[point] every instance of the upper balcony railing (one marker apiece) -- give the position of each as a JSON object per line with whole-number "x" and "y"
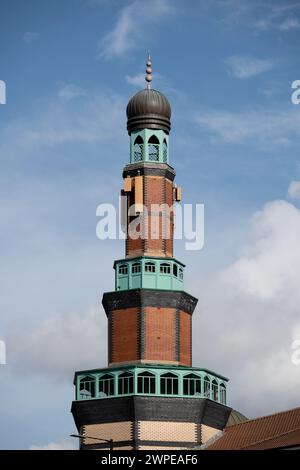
{"x": 149, "y": 273}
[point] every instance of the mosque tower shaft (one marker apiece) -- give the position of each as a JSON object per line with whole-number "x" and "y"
{"x": 149, "y": 396}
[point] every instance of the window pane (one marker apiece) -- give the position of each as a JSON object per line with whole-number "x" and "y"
{"x": 165, "y": 268}
{"x": 138, "y": 152}
{"x": 87, "y": 387}
{"x": 150, "y": 268}
{"x": 123, "y": 269}
{"x": 136, "y": 268}
{"x": 153, "y": 152}
{"x": 165, "y": 152}
{"x": 169, "y": 385}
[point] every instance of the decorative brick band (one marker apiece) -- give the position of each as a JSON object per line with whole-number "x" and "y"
{"x": 148, "y": 298}
{"x": 149, "y": 169}
{"x": 136, "y": 408}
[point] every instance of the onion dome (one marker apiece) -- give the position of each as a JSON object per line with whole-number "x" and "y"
{"x": 148, "y": 108}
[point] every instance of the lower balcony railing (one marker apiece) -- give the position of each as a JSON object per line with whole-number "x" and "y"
{"x": 151, "y": 381}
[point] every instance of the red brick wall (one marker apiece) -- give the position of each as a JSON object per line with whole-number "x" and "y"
{"x": 185, "y": 339}
{"x": 160, "y": 334}
{"x": 157, "y": 336}
{"x": 170, "y": 201}
{"x": 157, "y": 190}
{"x": 124, "y": 335}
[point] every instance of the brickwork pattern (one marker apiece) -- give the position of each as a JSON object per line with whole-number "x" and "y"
{"x": 185, "y": 356}
{"x": 160, "y": 334}
{"x": 156, "y": 190}
{"x": 120, "y": 431}
{"x": 163, "y": 431}
{"x": 125, "y": 335}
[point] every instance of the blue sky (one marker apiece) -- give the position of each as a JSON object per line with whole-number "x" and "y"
{"x": 70, "y": 68}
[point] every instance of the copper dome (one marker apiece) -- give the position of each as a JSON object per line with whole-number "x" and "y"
{"x": 148, "y": 109}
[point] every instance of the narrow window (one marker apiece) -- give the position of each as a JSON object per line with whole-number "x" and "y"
{"x": 125, "y": 383}
{"x": 123, "y": 269}
{"x": 149, "y": 267}
{"x": 165, "y": 151}
{"x": 215, "y": 394}
{"x": 169, "y": 384}
{"x": 181, "y": 274}
{"x": 206, "y": 387}
{"x": 138, "y": 149}
{"x": 153, "y": 149}
{"x": 223, "y": 394}
{"x": 136, "y": 268}
{"x": 191, "y": 384}
{"x": 87, "y": 387}
{"x": 106, "y": 385}
{"x": 165, "y": 268}
{"x": 146, "y": 383}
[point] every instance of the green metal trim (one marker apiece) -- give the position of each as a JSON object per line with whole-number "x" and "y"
{"x": 158, "y": 258}
{"x": 146, "y": 366}
{"x": 158, "y": 372}
{"x": 145, "y": 134}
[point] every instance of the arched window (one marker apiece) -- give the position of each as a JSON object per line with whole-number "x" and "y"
{"x": 123, "y": 269}
{"x": 165, "y": 268}
{"x": 223, "y": 394}
{"x": 87, "y": 387}
{"x": 136, "y": 268}
{"x": 149, "y": 267}
{"x": 181, "y": 274}
{"x": 153, "y": 149}
{"x": 125, "y": 383}
{"x": 215, "y": 392}
{"x": 106, "y": 385}
{"x": 169, "y": 384}
{"x": 175, "y": 270}
{"x": 138, "y": 149}
{"x": 191, "y": 384}
{"x": 206, "y": 387}
{"x": 146, "y": 382}
{"x": 165, "y": 151}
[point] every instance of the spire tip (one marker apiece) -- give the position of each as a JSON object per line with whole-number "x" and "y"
{"x": 148, "y": 76}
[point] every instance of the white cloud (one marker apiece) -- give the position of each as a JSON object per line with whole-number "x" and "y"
{"x": 260, "y": 16}
{"x": 133, "y": 25}
{"x": 269, "y": 265}
{"x": 246, "y": 67}
{"x": 289, "y": 24}
{"x": 30, "y": 36}
{"x": 250, "y": 315}
{"x": 70, "y": 91}
{"x": 263, "y": 128}
{"x": 294, "y": 189}
{"x": 136, "y": 80}
{"x": 61, "y": 344}
{"x": 58, "y": 121}
{"x": 63, "y": 444}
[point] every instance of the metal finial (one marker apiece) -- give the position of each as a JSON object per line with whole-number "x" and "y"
{"x": 148, "y": 76}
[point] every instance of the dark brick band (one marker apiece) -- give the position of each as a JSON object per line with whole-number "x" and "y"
{"x": 136, "y": 408}
{"x": 149, "y": 169}
{"x": 149, "y": 298}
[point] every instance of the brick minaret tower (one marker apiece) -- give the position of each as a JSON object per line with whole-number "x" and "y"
{"x": 149, "y": 396}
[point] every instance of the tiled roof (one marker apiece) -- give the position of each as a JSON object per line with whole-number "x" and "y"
{"x": 268, "y": 432}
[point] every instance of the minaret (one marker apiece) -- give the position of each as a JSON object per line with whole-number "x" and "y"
{"x": 149, "y": 396}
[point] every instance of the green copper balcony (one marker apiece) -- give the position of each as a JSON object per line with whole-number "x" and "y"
{"x": 163, "y": 381}
{"x": 149, "y": 273}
